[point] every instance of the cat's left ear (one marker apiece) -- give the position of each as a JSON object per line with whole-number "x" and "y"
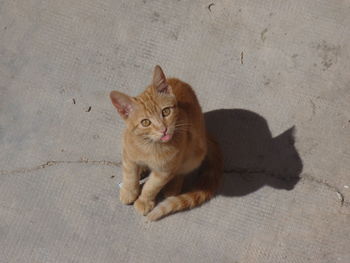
{"x": 159, "y": 81}
{"x": 123, "y": 103}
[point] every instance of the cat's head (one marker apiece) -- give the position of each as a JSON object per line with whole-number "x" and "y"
{"x": 153, "y": 114}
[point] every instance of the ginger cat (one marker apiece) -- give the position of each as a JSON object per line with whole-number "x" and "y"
{"x": 165, "y": 133}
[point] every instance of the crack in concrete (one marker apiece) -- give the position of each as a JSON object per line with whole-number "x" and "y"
{"x": 242, "y": 171}
{"x": 238, "y": 170}
{"x": 304, "y": 177}
{"x": 52, "y": 163}
{"x": 335, "y": 189}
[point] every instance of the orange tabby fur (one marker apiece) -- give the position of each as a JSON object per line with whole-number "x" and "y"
{"x": 170, "y": 146}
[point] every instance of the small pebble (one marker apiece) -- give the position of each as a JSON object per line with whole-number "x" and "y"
{"x": 346, "y": 186}
{"x": 339, "y": 196}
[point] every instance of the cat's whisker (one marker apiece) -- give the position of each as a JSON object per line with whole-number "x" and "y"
{"x": 180, "y": 131}
{"x": 182, "y": 124}
{"x": 182, "y": 127}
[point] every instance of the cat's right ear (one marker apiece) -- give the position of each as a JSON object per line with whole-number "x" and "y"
{"x": 159, "y": 81}
{"x": 123, "y": 103}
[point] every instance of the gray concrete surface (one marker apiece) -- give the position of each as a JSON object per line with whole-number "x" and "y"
{"x": 59, "y": 161}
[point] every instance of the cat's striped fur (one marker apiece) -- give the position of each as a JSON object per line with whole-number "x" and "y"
{"x": 165, "y": 132}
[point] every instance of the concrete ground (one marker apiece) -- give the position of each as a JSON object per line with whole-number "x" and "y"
{"x": 259, "y": 68}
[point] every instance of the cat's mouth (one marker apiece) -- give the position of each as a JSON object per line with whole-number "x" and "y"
{"x": 166, "y": 137}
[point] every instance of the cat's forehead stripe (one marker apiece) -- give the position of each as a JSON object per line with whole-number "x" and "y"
{"x": 148, "y": 102}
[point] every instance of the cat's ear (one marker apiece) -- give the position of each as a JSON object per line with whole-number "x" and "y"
{"x": 159, "y": 81}
{"x": 123, "y": 103}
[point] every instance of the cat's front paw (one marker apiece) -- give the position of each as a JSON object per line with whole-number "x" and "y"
{"x": 144, "y": 206}
{"x": 127, "y": 197}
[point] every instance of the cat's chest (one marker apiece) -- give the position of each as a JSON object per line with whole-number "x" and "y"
{"x": 160, "y": 159}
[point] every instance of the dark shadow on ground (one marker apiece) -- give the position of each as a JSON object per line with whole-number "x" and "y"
{"x": 252, "y": 158}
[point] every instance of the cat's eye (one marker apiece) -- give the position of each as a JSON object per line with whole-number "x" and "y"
{"x": 166, "y": 112}
{"x": 146, "y": 123}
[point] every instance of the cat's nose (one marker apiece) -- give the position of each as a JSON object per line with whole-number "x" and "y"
{"x": 164, "y": 130}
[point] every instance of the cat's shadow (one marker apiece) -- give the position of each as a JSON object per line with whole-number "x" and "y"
{"x": 252, "y": 157}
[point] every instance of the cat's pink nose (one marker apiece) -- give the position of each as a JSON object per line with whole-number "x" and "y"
{"x": 164, "y": 130}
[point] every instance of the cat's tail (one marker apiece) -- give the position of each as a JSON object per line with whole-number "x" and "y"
{"x": 204, "y": 190}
